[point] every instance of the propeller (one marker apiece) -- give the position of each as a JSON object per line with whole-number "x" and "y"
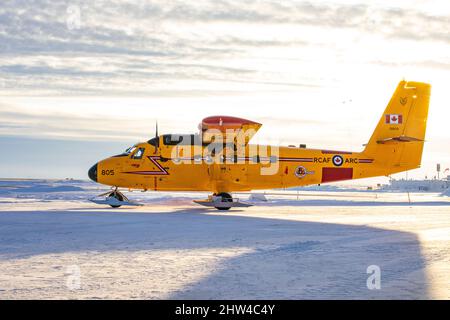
{"x": 156, "y": 136}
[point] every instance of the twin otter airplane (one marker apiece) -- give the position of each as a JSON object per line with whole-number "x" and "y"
{"x": 219, "y": 159}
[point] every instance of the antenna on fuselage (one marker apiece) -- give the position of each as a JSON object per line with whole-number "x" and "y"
{"x": 156, "y": 129}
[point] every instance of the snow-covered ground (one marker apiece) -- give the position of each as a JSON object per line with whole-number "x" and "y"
{"x": 55, "y": 244}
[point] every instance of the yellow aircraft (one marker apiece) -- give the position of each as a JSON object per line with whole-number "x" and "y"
{"x": 219, "y": 159}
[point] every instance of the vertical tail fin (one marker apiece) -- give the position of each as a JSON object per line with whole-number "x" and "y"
{"x": 397, "y": 142}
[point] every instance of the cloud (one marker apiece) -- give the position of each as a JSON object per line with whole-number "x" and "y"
{"x": 105, "y": 70}
{"x": 196, "y": 48}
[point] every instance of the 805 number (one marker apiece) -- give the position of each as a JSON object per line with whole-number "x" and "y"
{"x": 107, "y": 172}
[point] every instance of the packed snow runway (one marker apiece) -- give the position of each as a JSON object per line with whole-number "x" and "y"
{"x": 54, "y": 244}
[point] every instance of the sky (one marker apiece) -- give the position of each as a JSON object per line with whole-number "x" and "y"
{"x": 83, "y": 80}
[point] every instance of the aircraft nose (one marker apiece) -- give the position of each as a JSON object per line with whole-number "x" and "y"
{"x": 92, "y": 173}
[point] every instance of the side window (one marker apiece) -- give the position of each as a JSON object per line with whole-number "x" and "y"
{"x": 138, "y": 154}
{"x": 180, "y": 139}
{"x": 172, "y": 139}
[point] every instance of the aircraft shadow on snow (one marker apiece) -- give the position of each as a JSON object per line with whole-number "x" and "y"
{"x": 287, "y": 260}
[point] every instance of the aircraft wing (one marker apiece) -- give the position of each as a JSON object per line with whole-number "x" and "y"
{"x": 231, "y": 128}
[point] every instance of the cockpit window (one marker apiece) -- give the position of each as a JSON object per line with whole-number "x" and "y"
{"x": 138, "y": 154}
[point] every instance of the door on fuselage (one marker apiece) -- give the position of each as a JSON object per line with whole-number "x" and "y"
{"x": 226, "y": 169}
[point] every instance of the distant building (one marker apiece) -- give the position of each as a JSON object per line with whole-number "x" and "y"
{"x": 426, "y": 185}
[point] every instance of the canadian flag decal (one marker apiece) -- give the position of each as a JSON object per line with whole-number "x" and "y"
{"x": 394, "y": 119}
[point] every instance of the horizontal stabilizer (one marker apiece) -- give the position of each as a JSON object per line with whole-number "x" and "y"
{"x": 398, "y": 139}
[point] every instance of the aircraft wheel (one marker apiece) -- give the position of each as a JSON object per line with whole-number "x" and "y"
{"x": 226, "y": 197}
{"x": 117, "y": 196}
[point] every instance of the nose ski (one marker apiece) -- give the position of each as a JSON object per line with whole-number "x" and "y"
{"x": 115, "y": 199}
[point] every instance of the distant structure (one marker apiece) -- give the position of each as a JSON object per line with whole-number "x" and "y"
{"x": 425, "y": 185}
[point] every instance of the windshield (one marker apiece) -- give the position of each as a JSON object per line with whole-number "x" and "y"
{"x": 126, "y": 152}
{"x": 129, "y": 150}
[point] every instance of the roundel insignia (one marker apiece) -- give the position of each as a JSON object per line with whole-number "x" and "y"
{"x": 300, "y": 172}
{"x": 338, "y": 161}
